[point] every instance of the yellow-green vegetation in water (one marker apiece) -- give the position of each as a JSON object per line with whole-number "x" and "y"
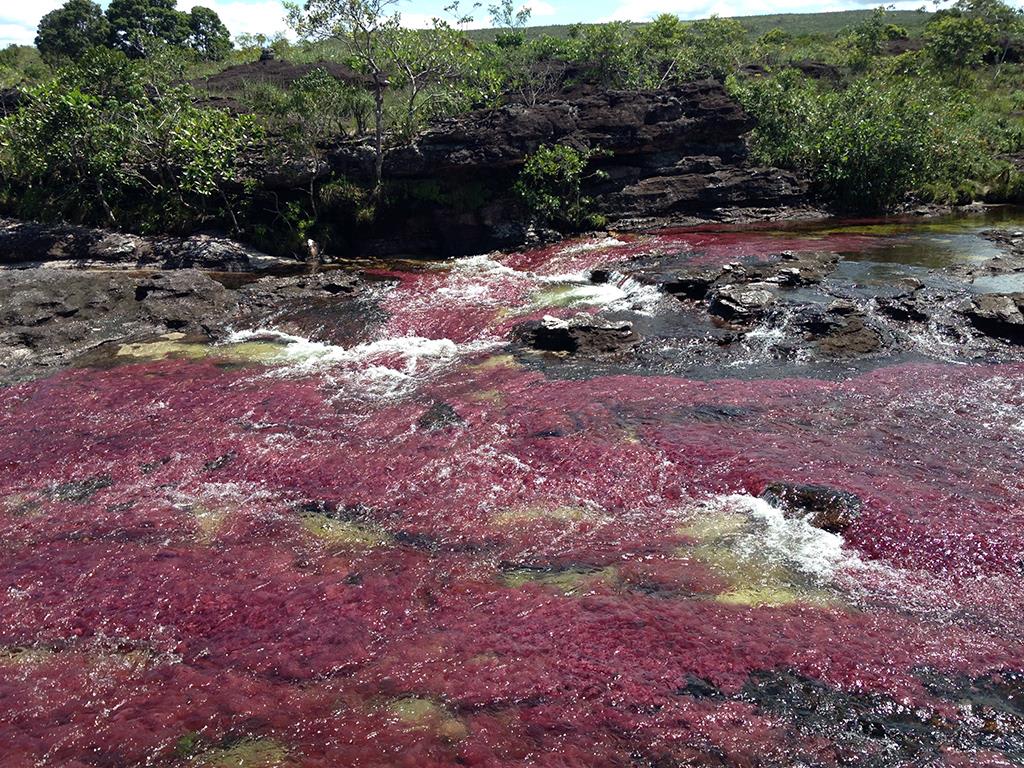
{"x": 176, "y": 345}
{"x": 258, "y": 753}
{"x": 208, "y": 522}
{"x": 726, "y": 541}
{"x": 24, "y": 657}
{"x": 345, "y": 533}
{"x": 428, "y": 715}
{"x": 496, "y": 361}
{"x": 569, "y": 581}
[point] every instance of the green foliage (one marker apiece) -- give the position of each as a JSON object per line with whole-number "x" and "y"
{"x": 960, "y": 42}
{"x": 21, "y": 65}
{"x": 867, "y": 39}
{"x": 868, "y": 145}
{"x": 96, "y": 145}
{"x": 208, "y": 36}
{"x": 65, "y": 34}
{"x": 550, "y": 185}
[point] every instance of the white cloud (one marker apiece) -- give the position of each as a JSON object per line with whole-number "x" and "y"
{"x": 18, "y": 20}
{"x": 245, "y": 16}
{"x": 540, "y": 8}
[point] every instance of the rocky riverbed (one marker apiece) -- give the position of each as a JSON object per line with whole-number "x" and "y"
{"x": 709, "y": 496}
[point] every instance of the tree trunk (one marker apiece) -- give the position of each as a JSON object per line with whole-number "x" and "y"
{"x": 378, "y": 139}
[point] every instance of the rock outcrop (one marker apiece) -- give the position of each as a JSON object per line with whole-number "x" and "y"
{"x": 24, "y": 244}
{"x": 583, "y": 334}
{"x": 672, "y": 155}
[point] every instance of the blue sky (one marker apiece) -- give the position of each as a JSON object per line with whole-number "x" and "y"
{"x": 18, "y": 18}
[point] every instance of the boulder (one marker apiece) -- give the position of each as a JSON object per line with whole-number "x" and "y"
{"x": 824, "y": 507}
{"x": 999, "y": 315}
{"x": 583, "y": 334}
{"x": 741, "y": 303}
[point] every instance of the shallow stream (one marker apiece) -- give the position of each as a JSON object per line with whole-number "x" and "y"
{"x": 413, "y": 543}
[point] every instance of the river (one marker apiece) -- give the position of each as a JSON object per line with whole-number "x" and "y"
{"x": 411, "y": 540}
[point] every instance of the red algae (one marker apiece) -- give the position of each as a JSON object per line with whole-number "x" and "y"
{"x": 202, "y": 561}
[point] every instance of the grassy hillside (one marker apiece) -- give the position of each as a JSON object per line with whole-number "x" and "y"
{"x": 796, "y": 24}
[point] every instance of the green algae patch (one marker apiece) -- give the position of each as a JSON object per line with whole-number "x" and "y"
{"x": 176, "y": 346}
{"x": 24, "y": 657}
{"x": 258, "y": 753}
{"x": 208, "y": 523}
{"x": 569, "y": 581}
{"x": 425, "y": 714}
{"x": 735, "y": 547}
{"x": 714, "y": 525}
{"x": 345, "y": 533}
{"x": 496, "y": 361}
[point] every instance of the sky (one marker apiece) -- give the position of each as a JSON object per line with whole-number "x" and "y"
{"x": 18, "y": 18}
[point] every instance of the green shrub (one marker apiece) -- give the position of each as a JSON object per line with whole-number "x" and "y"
{"x": 866, "y": 146}
{"x": 550, "y": 185}
{"x": 99, "y": 144}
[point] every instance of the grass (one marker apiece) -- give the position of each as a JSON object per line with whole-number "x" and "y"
{"x": 826, "y": 24}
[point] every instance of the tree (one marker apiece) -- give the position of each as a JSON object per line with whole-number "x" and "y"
{"x": 369, "y": 28}
{"x": 959, "y": 42}
{"x": 660, "y": 48}
{"x": 511, "y": 23}
{"x": 67, "y": 33}
{"x": 135, "y": 25}
{"x": 868, "y": 38}
{"x": 718, "y": 46}
{"x": 100, "y": 144}
{"x": 207, "y": 34}
{"x": 551, "y": 186}
{"x": 429, "y": 65}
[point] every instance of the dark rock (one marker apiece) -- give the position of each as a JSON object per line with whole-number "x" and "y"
{"x": 220, "y": 462}
{"x": 902, "y": 308}
{"x": 25, "y": 244}
{"x": 874, "y": 727}
{"x": 839, "y": 330}
{"x": 712, "y": 413}
{"x": 670, "y": 154}
{"x": 79, "y": 491}
{"x": 818, "y": 70}
{"x": 584, "y": 334}
{"x": 827, "y": 508}
{"x": 692, "y": 282}
{"x": 999, "y": 315}
{"x": 699, "y": 688}
{"x": 440, "y": 415}
{"x": 741, "y": 303}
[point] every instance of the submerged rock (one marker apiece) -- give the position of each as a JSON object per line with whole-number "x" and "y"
{"x": 440, "y": 415}
{"x": 583, "y": 334}
{"x": 825, "y": 507}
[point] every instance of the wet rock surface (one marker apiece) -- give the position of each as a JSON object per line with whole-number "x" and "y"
{"x": 580, "y": 335}
{"x": 823, "y": 507}
{"x": 52, "y": 316}
{"x": 24, "y": 244}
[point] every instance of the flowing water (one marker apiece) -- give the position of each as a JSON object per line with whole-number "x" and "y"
{"x": 419, "y": 545}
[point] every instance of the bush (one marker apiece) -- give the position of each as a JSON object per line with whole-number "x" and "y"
{"x": 550, "y": 184}
{"x": 99, "y": 144}
{"x": 867, "y": 146}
